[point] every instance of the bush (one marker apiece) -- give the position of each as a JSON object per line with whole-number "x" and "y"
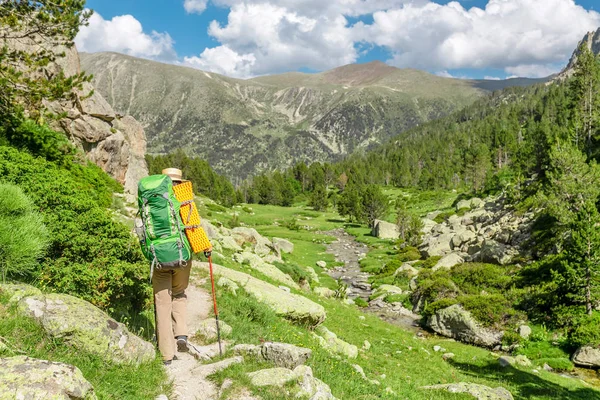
{"x": 361, "y": 302}
{"x": 390, "y": 267}
{"x": 472, "y": 278}
{"x": 443, "y": 216}
{"x": 429, "y": 263}
{"x": 408, "y": 253}
{"x": 585, "y": 331}
{"x": 23, "y": 235}
{"x": 292, "y": 224}
{"x": 491, "y": 310}
{"x": 234, "y": 222}
{"x": 90, "y": 255}
{"x": 539, "y": 350}
{"x": 215, "y": 207}
{"x": 298, "y": 274}
{"x": 247, "y": 209}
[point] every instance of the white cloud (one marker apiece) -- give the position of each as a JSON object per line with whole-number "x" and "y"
{"x": 444, "y": 74}
{"x": 223, "y": 60}
{"x": 195, "y": 6}
{"x": 534, "y": 70}
{"x": 507, "y": 34}
{"x": 491, "y": 78}
{"x": 124, "y": 34}
{"x": 264, "y": 38}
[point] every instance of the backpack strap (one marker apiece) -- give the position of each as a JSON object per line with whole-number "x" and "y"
{"x": 182, "y": 262}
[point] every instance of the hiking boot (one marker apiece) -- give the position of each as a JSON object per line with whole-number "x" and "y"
{"x": 182, "y": 344}
{"x": 166, "y": 363}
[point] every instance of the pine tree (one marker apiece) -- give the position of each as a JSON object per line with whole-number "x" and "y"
{"x": 375, "y": 204}
{"x": 318, "y": 198}
{"x": 349, "y": 204}
{"x": 45, "y": 25}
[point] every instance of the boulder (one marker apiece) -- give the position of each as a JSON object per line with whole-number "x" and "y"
{"x": 385, "y": 230}
{"x": 524, "y": 331}
{"x": 496, "y": 253}
{"x": 29, "y": 378}
{"x": 207, "y": 329}
{"x": 480, "y": 392}
{"x": 458, "y": 323}
{"x": 321, "y": 264}
{"x": 292, "y": 306}
{"x": 407, "y": 270}
{"x": 312, "y": 274}
{"x": 229, "y": 243}
{"x": 284, "y": 245}
{"x": 269, "y": 270}
{"x": 311, "y": 387}
{"x": 228, "y": 284}
{"x": 587, "y": 356}
{"x": 438, "y": 246}
{"x": 284, "y": 354}
{"x": 385, "y": 290}
{"x": 329, "y": 341}
{"x": 324, "y": 292}
{"x": 247, "y": 350}
{"x": 428, "y": 225}
{"x": 449, "y": 261}
{"x": 87, "y": 328}
{"x": 211, "y": 231}
{"x": 463, "y": 238}
{"x": 277, "y": 377}
{"x": 16, "y": 291}
{"x": 463, "y": 204}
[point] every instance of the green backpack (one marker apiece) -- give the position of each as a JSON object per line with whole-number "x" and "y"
{"x": 162, "y": 236}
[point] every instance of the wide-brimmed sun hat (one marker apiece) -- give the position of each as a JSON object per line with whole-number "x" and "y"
{"x": 174, "y": 173}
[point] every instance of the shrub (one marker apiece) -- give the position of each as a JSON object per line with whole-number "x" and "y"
{"x": 361, "y": 302}
{"x": 234, "y": 222}
{"x": 585, "y": 331}
{"x": 472, "y": 278}
{"x": 215, "y": 207}
{"x": 491, "y": 310}
{"x": 390, "y": 267}
{"x": 90, "y": 255}
{"x": 395, "y": 298}
{"x": 247, "y": 209}
{"x": 542, "y": 349}
{"x": 431, "y": 309}
{"x": 408, "y": 253}
{"x": 297, "y": 273}
{"x": 443, "y": 216}
{"x": 23, "y": 235}
{"x": 292, "y": 224}
{"x": 429, "y": 263}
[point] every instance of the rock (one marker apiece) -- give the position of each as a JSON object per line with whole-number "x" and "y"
{"x": 524, "y": 331}
{"x": 359, "y": 370}
{"x": 211, "y": 231}
{"x": 292, "y": 306}
{"x": 428, "y": 224}
{"x": 548, "y": 368}
{"x": 385, "y": 290}
{"x": 16, "y": 291}
{"x": 285, "y": 288}
{"x": 285, "y": 245}
{"x": 457, "y": 323}
{"x": 321, "y": 264}
{"x": 29, "y": 378}
{"x": 228, "y": 284}
{"x": 438, "y": 246}
{"x": 463, "y": 204}
{"x": 408, "y": 270}
{"x": 506, "y": 361}
{"x": 521, "y": 360}
{"x": 324, "y": 292}
{"x": 366, "y": 345}
{"x": 86, "y": 327}
{"x": 329, "y": 341}
{"x": 246, "y": 350}
{"x": 464, "y": 237}
{"x": 413, "y": 285}
{"x": 269, "y": 270}
{"x": 587, "y": 356}
{"x": 285, "y": 355}
{"x": 385, "y": 230}
{"x": 480, "y": 392}
{"x": 312, "y": 273}
{"x": 437, "y": 348}
{"x": 477, "y": 202}
{"x": 449, "y": 261}
{"x": 272, "y": 377}
{"x": 207, "y": 329}
{"x": 447, "y": 356}
{"x": 311, "y": 387}
{"x": 229, "y": 243}
{"x": 496, "y": 253}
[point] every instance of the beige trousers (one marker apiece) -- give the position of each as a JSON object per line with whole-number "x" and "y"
{"x": 171, "y": 302}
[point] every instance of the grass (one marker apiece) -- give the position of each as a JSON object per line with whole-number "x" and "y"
{"x": 110, "y": 381}
{"x": 408, "y": 362}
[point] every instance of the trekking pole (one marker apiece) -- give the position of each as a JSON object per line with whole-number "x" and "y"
{"x": 214, "y": 296}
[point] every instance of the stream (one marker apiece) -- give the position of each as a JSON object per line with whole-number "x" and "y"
{"x": 347, "y": 250}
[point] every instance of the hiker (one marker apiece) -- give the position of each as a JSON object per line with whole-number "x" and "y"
{"x": 170, "y": 300}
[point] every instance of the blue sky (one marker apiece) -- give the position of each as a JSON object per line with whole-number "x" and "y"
{"x": 252, "y": 37}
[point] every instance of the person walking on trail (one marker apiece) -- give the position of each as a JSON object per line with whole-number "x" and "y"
{"x": 170, "y": 300}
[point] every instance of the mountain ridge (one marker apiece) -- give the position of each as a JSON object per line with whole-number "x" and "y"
{"x": 243, "y": 127}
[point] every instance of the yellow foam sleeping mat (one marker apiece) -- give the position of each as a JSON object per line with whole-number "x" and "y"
{"x": 190, "y": 217}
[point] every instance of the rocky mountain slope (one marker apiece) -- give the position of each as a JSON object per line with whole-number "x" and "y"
{"x": 246, "y": 126}
{"x": 592, "y": 40}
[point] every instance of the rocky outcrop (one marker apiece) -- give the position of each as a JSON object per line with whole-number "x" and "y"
{"x": 489, "y": 232}
{"x": 291, "y": 306}
{"x": 257, "y": 263}
{"x": 587, "y": 356}
{"x": 592, "y": 41}
{"x": 284, "y": 245}
{"x": 115, "y": 143}
{"x": 385, "y": 230}
{"x": 29, "y": 378}
{"x": 16, "y": 291}
{"x": 456, "y": 322}
{"x": 480, "y": 392}
{"x": 449, "y": 261}
{"x": 86, "y": 327}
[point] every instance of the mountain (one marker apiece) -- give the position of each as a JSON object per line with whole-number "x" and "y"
{"x": 246, "y": 126}
{"x": 592, "y": 41}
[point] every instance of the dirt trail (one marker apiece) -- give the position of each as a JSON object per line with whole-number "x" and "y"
{"x": 188, "y": 375}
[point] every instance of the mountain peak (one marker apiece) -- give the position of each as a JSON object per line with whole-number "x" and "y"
{"x": 358, "y": 74}
{"x": 592, "y": 40}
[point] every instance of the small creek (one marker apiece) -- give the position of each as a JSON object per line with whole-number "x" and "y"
{"x": 347, "y": 250}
